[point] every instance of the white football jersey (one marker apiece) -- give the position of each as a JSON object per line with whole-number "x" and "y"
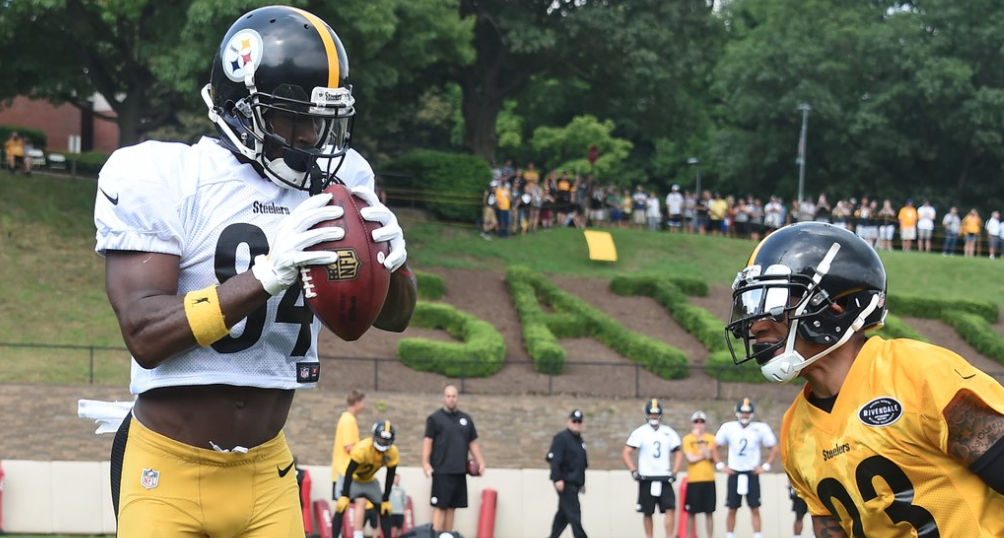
{"x": 744, "y": 443}
{"x": 201, "y": 204}
{"x": 654, "y": 447}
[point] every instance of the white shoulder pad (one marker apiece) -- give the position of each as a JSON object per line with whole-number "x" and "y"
{"x": 356, "y": 171}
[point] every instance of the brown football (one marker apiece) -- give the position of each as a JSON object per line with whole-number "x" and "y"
{"x": 347, "y": 296}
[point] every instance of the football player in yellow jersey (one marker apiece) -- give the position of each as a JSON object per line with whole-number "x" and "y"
{"x": 889, "y": 438}
{"x": 360, "y": 484}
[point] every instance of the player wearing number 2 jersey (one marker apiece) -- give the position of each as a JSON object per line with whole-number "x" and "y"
{"x": 745, "y": 437}
{"x": 203, "y": 246}
{"x": 888, "y": 438}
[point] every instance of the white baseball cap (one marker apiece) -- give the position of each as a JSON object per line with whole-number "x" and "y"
{"x": 698, "y": 415}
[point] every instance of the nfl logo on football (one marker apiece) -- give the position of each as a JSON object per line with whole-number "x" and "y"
{"x": 150, "y": 478}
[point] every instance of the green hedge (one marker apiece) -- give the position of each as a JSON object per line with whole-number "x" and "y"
{"x": 897, "y": 328}
{"x": 430, "y": 286}
{"x": 481, "y": 354}
{"x": 450, "y": 185}
{"x": 656, "y": 356}
{"x": 548, "y": 355}
{"x": 932, "y": 308}
{"x": 88, "y": 162}
{"x": 671, "y": 294}
{"x": 721, "y": 366}
{"x": 38, "y": 138}
{"x": 977, "y": 331}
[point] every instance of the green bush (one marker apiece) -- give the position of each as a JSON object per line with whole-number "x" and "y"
{"x": 449, "y": 185}
{"x": 932, "y": 308}
{"x": 977, "y": 331}
{"x": 897, "y": 328}
{"x": 692, "y": 286}
{"x": 431, "y": 287}
{"x": 481, "y": 354}
{"x": 89, "y": 162}
{"x": 671, "y": 294}
{"x": 721, "y": 366}
{"x": 547, "y": 354}
{"x": 38, "y": 138}
{"x": 656, "y": 356}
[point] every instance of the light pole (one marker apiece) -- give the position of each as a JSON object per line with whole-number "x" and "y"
{"x": 805, "y": 108}
{"x": 694, "y": 161}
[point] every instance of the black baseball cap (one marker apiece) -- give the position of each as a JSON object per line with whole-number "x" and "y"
{"x": 575, "y": 415}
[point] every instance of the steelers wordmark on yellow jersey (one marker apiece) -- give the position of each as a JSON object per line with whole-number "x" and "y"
{"x": 879, "y": 461}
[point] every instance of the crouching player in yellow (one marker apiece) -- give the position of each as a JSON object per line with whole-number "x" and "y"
{"x": 360, "y": 484}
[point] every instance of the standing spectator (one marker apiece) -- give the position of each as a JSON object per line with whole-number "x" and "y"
{"x": 886, "y": 218}
{"x": 744, "y": 438}
{"x": 840, "y": 214}
{"x": 702, "y": 454}
{"x": 507, "y": 171}
{"x": 993, "y": 227}
{"x": 346, "y": 437}
{"x": 568, "y": 460}
{"x": 653, "y": 212}
{"x": 907, "y": 225}
{"x": 756, "y": 218}
{"x": 806, "y": 210}
{"x": 548, "y": 209}
{"x": 536, "y": 203}
{"x": 925, "y": 226}
{"x": 823, "y": 209}
{"x": 564, "y": 198}
{"x": 800, "y": 508}
{"x": 614, "y": 204}
{"x": 503, "y": 206}
{"x": 690, "y": 212}
{"x": 489, "y": 222}
{"x": 972, "y": 225}
{"x": 741, "y": 218}
{"x": 865, "y": 222}
{"x": 701, "y": 212}
{"x": 674, "y": 209}
{"x": 583, "y": 188}
{"x": 398, "y": 502}
{"x": 524, "y": 200}
{"x": 655, "y": 475}
{"x": 531, "y": 173}
{"x": 717, "y": 211}
{"x": 773, "y": 217}
{"x": 638, "y": 204}
{"x": 449, "y": 436}
{"x": 953, "y": 226}
{"x": 627, "y": 209}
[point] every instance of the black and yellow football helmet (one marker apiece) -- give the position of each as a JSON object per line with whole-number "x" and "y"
{"x": 279, "y": 98}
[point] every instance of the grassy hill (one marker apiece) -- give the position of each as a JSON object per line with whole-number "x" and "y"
{"x": 52, "y": 282}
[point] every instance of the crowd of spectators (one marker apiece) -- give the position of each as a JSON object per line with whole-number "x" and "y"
{"x": 521, "y": 201}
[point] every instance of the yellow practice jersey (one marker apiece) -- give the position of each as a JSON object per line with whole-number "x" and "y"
{"x": 879, "y": 461}
{"x": 346, "y": 433}
{"x": 370, "y": 460}
{"x": 704, "y": 470}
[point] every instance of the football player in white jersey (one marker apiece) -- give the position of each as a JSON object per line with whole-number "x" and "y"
{"x": 744, "y": 438}
{"x": 203, "y": 247}
{"x": 654, "y": 443}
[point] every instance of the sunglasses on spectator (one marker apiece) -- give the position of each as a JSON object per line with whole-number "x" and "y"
{"x": 701, "y": 420}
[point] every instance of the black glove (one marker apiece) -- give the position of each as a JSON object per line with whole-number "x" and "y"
{"x": 672, "y": 477}
{"x": 635, "y": 475}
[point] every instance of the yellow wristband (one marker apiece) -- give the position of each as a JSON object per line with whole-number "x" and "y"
{"x": 202, "y": 307}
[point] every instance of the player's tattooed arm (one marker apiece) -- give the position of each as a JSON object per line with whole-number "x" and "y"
{"x": 827, "y": 527}
{"x": 973, "y": 427}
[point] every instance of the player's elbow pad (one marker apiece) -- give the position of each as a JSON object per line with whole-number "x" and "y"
{"x": 990, "y": 467}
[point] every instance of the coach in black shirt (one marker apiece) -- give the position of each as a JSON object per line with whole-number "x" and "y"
{"x": 568, "y": 472}
{"x": 449, "y": 435}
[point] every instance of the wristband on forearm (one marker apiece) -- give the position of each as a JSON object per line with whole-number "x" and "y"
{"x": 205, "y": 317}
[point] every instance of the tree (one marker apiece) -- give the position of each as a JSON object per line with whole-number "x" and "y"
{"x": 566, "y": 148}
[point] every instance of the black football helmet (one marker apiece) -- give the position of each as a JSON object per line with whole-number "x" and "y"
{"x": 797, "y": 274}
{"x": 653, "y": 407}
{"x": 383, "y": 435}
{"x": 745, "y": 407}
{"x": 278, "y": 96}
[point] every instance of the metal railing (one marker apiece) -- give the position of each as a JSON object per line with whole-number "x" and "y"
{"x": 109, "y": 365}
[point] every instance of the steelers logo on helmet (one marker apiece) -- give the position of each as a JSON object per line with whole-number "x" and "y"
{"x": 242, "y": 53}
{"x": 745, "y": 411}
{"x": 383, "y": 435}
{"x": 279, "y": 98}
{"x": 816, "y": 282}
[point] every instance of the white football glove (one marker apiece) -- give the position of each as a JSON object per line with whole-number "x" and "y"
{"x": 280, "y": 268}
{"x": 390, "y": 230}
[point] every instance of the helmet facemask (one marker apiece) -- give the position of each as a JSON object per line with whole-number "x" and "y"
{"x": 777, "y": 295}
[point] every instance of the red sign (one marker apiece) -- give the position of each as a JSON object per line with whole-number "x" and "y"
{"x": 594, "y": 153}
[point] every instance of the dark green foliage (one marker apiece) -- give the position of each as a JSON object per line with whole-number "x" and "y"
{"x": 721, "y": 366}
{"x": 896, "y": 328}
{"x": 934, "y": 308}
{"x": 89, "y": 162}
{"x": 451, "y": 183}
{"x": 431, "y": 287}
{"x": 480, "y": 355}
{"x": 38, "y": 138}
{"x": 697, "y": 321}
{"x": 977, "y": 331}
{"x": 548, "y": 355}
{"x": 657, "y": 357}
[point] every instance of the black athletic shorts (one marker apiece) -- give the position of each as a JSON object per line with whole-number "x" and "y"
{"x": 799, "y": 507}
{"x": 734, "y": 500}
{"x": 449, "y": 490}
{"x": 647, "y": 503}
{"x": 397, "y": 520}
{"x": 701, "y": 498}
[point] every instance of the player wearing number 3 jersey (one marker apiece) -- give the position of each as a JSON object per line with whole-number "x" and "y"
{"x": 203, "y": 247}
{"x": 888, "y": 438}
